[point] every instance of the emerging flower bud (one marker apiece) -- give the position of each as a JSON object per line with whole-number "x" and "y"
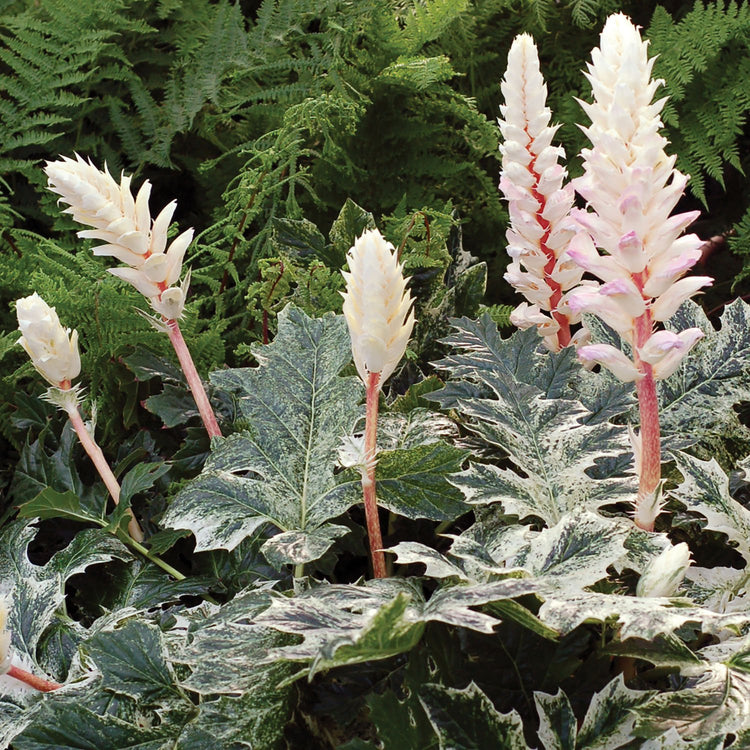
{"x": 377, "y": 306}
{"x": 124, "y": 225}
{"x": 52, "y": 348}
{"x": 666, "y": 572}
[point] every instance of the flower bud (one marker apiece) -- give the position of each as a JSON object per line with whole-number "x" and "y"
{"x": 52, "y": 348}
{"x": 666, "y": 572}
{"x": 377, "y": 306}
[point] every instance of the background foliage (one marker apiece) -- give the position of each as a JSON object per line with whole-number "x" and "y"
{"x": 284, "y": 128}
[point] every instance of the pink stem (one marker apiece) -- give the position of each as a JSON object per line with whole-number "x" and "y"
{"x": 648, "y": 406}
{"x": 368, "y": 482}
{"x": 193, "y": 379}
{"x": 96, "y": 455}
{"x": 38, "y": 683}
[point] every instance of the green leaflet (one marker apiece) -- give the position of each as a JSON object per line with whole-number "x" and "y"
{"x": 346, "y": 624}
{"x": 467, "y": 720}
{"x": 133, "y": 661}
{"x": 554, "y": 442}
{"x": 281, "y": 471}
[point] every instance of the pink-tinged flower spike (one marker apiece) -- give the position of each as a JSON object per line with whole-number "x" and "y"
{"x": 54, "y": 353}
{"x": 377, "y": 309}
{"x": 631, "y": 188}
{"x": 532, "y": 182}
{"x": 6, "y": 658}
{"x": 124, "y": 224}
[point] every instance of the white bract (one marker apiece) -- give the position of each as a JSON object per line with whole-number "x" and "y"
{"x": 539, "y": 204}
{"x": 52, "y": 348}
{"x": 631, "y": 188}
{"x": 124, "y": 225}
{"x": 377, "y": 306}
{"x": 666, "y": 572}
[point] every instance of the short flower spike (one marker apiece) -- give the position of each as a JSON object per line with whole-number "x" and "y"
{"x": 377, "y": 306}
{"x": 124, "y": 225}
{"x": 52, "y": 348}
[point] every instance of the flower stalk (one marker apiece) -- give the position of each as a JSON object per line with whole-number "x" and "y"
{"x": 124, "y": 224}
{"x": 54, "y": 352}
{"x": 377, "y": 309}
{"x": 368, "y": 477}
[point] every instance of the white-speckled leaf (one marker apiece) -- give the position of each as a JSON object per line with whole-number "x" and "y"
{"x": 716, "y": 703}
{"x": 696, "y": 403}
{"x": 466, "y": 719}
{"x": 280, "y": 470}
{"x": 558, "y": 727}
{"x": 705, "y": 490}
{"x": 36, "y": 592}
{"x": 671, "y": 740}
{"x": 560, "y": 451}
{"x": 608, "y": 723}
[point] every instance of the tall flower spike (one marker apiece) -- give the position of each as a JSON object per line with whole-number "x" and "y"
{"x": 54, "y": 353}
{"x": 377, "y": 308}
{"x": 532, "y": 182}
{"x": 124, "y": 224}
{"x": 631, "y": 188}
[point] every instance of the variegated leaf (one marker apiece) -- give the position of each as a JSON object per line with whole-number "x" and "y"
{"x": 559, "y": 451}
{"x": 281, "y": 470}
{"x": 705, "y": 490}
{"x": 466, "y": 719}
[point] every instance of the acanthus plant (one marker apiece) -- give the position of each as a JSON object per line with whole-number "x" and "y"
{"x": 532, "y": 607}
{"x": 631, "y": 188}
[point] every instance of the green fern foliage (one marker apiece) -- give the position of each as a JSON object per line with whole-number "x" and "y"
{"x": 707, "y": 108}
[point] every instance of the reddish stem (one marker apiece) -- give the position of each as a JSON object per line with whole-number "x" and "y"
{"x": 648, "y": 406}
{"x": 97, "y": 457}
{"x": 38, "y": 683}
{"x": 368, "y": 481}
{"x": 193, "y": 379}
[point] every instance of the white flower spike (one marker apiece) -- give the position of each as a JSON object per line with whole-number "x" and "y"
{"x": 378, "y": 311}
{"x": 532, "y": 182}
{"x": 52, "y": 348}
{"x": 124, "y": 225}
{"x": 631, "y": 187}
{"x": 377, "y": 306}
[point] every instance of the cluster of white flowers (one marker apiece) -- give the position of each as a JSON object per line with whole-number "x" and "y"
{"x": 52, "y": 348}
{"x": 377, "y": 306}
{"x": 631, "y": 188}
{"x": 124, "y": 224}
{"x": 538, "y": 202}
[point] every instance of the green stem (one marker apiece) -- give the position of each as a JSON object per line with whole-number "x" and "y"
{"x": 150, "y": 556}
